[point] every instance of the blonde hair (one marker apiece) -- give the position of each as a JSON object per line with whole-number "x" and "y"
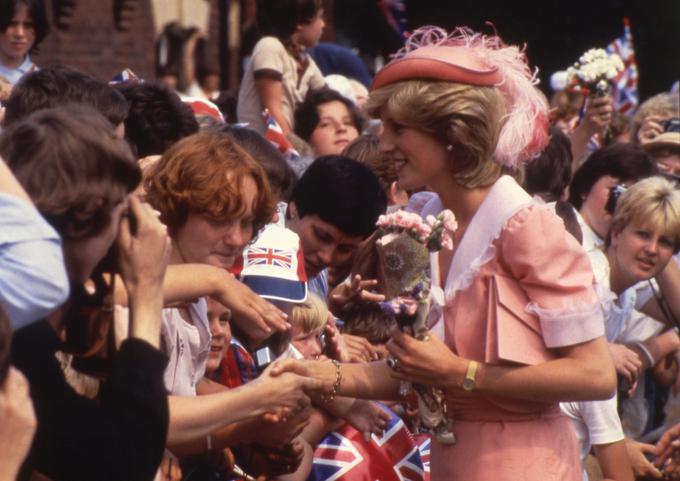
{"x": 468, "y": 117}
{"x": 654, "y": 201}
{"x": 663, "y": 105}
{"x": 310, "y": 315}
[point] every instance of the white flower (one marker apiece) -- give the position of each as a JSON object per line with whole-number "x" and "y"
{"x": 595, "y": 65}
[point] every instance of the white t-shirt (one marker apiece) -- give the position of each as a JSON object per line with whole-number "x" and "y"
{"x": 187, "y": 347}
{"x": 618, "y": 310}
{"x": 591, "y": 241}
{"x": 271, "y": 56}
{"x": 595, "y": 422}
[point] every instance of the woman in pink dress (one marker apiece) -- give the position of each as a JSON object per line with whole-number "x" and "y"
{"x": 521, "y": 325}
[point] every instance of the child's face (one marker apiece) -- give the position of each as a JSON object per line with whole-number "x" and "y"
{"x": 309, "y": 344}
{"x": 218, "y": 318}
{"x": 18, "y": 37}
{"x": 308, "y": 34}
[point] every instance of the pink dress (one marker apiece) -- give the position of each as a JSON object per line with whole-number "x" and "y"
{"x": 518, "y": 286}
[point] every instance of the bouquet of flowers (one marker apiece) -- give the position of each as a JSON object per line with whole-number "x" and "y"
{"x": 403, "y": 251}
{"x": 594, "y": 71}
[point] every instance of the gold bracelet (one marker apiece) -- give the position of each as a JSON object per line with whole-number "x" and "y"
{"x": 336, "y": 386}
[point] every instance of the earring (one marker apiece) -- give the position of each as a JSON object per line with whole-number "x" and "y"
{"x": 449, "y": 147}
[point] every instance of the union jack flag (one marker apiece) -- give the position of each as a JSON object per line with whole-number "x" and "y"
{"x": 126, "y": 75}
{"x": 625, "y": 91}
{"x": 269, "y": 256}
{"x": 275, "y": 135}
{"x": 424, "y": 441}
{"x": 344, "y": 455}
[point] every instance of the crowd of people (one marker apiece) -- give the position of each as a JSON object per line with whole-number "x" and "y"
{"x": 192, "y": 294}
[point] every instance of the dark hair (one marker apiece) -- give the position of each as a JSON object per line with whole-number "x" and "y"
{"x": 549, "y": 174}
{"x": 72, "y": 166}
{"x": 157, "y": 118}
{"x": 281, "y": 177}
{"x": 342, "y": 192}
{"x": 59, "y": 85}
{"x": 280, "y": 18}
{"x": 622, "y": 161}
{"x": 226, "y": 101}
{"x": 307, "y": 114}
{"x": 36, "y": 10}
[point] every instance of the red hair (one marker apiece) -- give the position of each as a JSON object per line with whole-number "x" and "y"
{"x": 204, "y": 173}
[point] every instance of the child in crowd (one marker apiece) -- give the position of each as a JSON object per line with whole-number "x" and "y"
{"x": 280, "y": 72}
{"x": 273, "y": 267}
{"x": 23, "y": 25}
{"x": 328, "y": 121}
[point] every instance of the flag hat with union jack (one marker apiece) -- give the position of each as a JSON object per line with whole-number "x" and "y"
{"x": 273, "y": 266}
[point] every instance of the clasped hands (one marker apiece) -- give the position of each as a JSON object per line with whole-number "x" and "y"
{"x": 428, "y": 362}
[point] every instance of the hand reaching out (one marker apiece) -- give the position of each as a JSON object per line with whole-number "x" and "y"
{"x": 335, "y": 342}
{"x": 17, "y": 426}
{"x": 287, "y": 394}
{"x": 626, "y": 362}
{"x": 256, "y": 317}
{"x": 641, "y": 465}
{"x": 359, "y": 349}
{"x": 367, "y": 417}
{"x": 356, "y": 290}
{"x": 668, "y": 453}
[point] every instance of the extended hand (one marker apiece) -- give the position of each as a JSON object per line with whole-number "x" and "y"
{"x": 356, "y": 290}
{"x": 255, "y": 316}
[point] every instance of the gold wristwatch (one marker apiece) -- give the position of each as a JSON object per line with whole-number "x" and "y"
{"x": 469, "y": 379}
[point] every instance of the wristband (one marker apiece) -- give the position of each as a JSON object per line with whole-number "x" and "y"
{"x": 645, "y": 353}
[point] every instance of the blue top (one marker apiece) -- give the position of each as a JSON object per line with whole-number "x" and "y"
{"x": 14, "y": 74}
{"x": 33, "y": 279}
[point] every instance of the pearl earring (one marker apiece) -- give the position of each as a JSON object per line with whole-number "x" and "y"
{"x": 449, "y": 147}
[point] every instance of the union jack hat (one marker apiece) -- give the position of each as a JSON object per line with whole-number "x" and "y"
{"x": 273, "y": 266}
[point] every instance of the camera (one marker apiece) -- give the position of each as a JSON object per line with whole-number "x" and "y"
{"x": 671, "y": 125}
{"x": 614, "y": 194}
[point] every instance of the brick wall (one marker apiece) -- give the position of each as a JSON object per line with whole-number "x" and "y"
{"x": 93, "y": 44}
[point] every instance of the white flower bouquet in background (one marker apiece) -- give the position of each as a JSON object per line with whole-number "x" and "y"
{"x": 593, "y": 72}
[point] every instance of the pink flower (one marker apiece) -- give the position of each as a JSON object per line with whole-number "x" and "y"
{"x": 423, "y": 230}
{"x": 431, "y": 220}
{"x": 449, "y": 220}
{"x": 447, "y": 242}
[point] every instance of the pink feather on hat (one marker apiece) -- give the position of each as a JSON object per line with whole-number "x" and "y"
{"x": 473, "y": 58}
